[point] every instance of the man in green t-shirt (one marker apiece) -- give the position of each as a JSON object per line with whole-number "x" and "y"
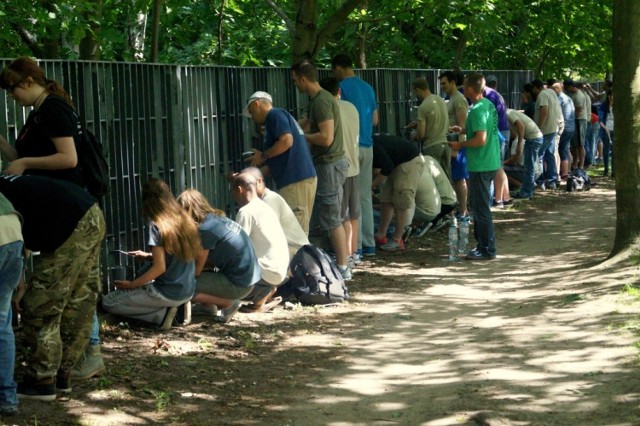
{"x": 323, "y": 130}
{"x": 483, "y": 160}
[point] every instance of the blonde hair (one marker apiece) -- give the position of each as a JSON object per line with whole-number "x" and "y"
{"x": 179, "y": 233}
{"x": 197, "y": 206}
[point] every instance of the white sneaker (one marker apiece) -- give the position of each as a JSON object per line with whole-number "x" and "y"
{"x": 345, "y": 272}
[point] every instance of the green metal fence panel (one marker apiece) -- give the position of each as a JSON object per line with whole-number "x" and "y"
{"x": 184, "y": 124}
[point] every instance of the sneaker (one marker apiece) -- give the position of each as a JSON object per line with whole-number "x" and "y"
{"x": 357, "y": 258}
{"x": 519, "y": 196}
{"x": 393, "y": 245}
{"x": 209, "y": 311}
{"x": 167, "y": 322}
{"x": 476, "y": 254}
{"x": 351, "y": 262}
{"x": 63, "y": 381}
{"x": 507, "y": 203}
{"x": 227, "y": 313}
{"x": 380, "y": 241}
{"x": 442, "y": 224}
{"x": 8, "y": 410}
{"x": 41, "y": 390}
{"x": 90, "y": 364}
{"x": 345, "y": 272}
{"x": 368, "y": 251}
{"x": 407, "y": 233}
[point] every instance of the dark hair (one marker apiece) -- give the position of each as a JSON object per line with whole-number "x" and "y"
{"x": 537, "y": 83}
{"x": 475, "y": 80}
{"x": 420, "y": 83}
{"x": 331, "y": 85}
{"x": 307, "y": 70}
{"x": 22, "y": 68}
{"x": 449, "y": 75}
{"x": 459, "y": 77}
{"x": 341, "y": 60}
{"x": 527, "y": 88}
{"x": 551, "y": 82}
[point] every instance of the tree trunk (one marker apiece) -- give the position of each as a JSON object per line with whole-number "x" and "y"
{"x": 220, "y": 33}
{"x": 626, "y": 60}
{"x": 155, "y": 30}
{"x": 305, "y": 33}
{"x": 89, "y": 47}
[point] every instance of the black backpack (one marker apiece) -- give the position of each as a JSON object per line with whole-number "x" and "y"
{"x": 95, "y": 168}
{"x": 315, "y": 278}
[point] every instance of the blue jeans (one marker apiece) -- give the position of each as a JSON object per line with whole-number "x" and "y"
{"x": 530, "y": 156}
{"x": 11, "y": 265}
{"x": 94, "y": 337}
{"x": 547, "y": 153}
{"x": 565, "y": 145}
{"x": 479, "y": 184}
{"x": 607, "y": 150}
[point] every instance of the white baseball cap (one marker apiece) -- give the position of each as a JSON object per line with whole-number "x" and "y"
{"x": 255, "y": 97}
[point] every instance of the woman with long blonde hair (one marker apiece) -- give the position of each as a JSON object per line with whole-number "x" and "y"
{"x": 170, "y": 280}
{"x": 228, "y": 248}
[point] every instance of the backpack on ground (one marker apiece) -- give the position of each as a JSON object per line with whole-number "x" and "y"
{"x": 95, "y": 168}
{"x": 315, "y": 278}
{"x": 578, "y": 180}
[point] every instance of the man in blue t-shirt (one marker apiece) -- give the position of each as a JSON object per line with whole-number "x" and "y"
{"x": 286, "y": 156}
{"x": 363, "y": 97}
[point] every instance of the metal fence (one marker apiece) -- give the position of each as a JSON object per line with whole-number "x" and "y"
{"x": 184, "y": 124}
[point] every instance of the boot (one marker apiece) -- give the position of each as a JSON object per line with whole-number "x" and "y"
{"x": 89, "y": 365}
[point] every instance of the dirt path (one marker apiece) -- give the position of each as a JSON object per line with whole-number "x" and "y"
{"x": 533, "y": 338}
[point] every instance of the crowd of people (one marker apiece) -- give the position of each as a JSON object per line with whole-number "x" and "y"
{"x": 330, "y": 170}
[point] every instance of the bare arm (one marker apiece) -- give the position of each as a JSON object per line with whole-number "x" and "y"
{"x": 479, "y": 139}
{"x": 421, "y": 130}
{"x": 201, "y": 260}
{"x": 9, "y": 153}
{"x": 325, "y": 136}
{"x": 544, "y": 111}
{"x": 158, "y": 267}
{"x": 282, "y": 145}
{"x": 65, "y": 158}
{"x": 375, "y": 118}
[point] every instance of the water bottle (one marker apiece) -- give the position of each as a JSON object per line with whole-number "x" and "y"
{"x": 453, "y": 240}
{"x": 463, "y": 239}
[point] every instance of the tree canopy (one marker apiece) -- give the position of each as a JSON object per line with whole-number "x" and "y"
{"x": 552, "y": 38}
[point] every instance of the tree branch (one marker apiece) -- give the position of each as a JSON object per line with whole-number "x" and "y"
{"x": 28, "y": 39}
{"x": 282, "y": 14}
{"x": 334, "y": 22}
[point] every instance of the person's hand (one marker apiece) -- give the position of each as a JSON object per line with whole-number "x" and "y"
{"x": 510, "y": 161}
{"x": 139, "y": 254}
{"x": 16, "y": 167}
{"x": 122, "y": 285}
{"x": 455, "y": 129}
{"x": 455, "y": 146}
{"x": 255, "y": 159}
{"x": 411, "y": 125}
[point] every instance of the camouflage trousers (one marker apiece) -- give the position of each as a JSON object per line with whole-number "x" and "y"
{"x": 61, "y": 299}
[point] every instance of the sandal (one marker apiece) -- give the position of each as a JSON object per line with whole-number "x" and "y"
{"x": 252, "y": 308}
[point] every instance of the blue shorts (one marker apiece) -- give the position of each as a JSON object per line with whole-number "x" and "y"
{"x": 459, "y": 166}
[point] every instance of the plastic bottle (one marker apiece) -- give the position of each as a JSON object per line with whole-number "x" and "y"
{"x": 463, "y": 239}
{"x": 453, "y": 240}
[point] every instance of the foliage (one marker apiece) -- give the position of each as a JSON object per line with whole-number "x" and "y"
{"x": 556, "y": 39}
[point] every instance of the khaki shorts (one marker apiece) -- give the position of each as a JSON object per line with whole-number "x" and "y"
{"x": 401, "y": 186}
{"x": 300, "y": 196}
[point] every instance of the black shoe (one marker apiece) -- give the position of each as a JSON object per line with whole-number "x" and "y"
{"x": 63, "y": 381}
{"x": 519, "y": 196}
{"x": 475, "y": 254}
{"x": 41, "y": 390}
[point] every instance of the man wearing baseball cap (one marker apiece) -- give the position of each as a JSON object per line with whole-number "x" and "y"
{"x": 285, "y": 155}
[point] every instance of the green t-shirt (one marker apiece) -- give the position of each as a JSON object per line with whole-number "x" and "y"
{"x": 433, "y": 111}
{"x": 324, "y": 107}
{"x": 485, "y": 158}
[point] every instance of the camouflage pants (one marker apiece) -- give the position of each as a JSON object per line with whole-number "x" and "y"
{"x": 61, "y": 299}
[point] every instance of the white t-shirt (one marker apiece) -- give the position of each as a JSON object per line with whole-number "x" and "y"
{"x": 263, "y": 227}
{"x": 296, "y": 237}
{"x": 350, "y": 135}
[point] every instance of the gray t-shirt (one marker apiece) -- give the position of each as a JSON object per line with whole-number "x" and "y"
{"x": 549, "y": 99}
{"x": 179, "y": 279}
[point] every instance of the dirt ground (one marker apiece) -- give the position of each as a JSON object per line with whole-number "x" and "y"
{"x": 540, "y": 336}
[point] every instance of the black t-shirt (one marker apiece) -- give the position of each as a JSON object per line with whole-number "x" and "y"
{"x": 55, "y": 118}
{"x": 391, "y": 151}
{"x": 50, "y": 208}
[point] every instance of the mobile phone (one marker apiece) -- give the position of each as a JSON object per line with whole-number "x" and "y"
{"x": 122, "y": 252}
{"x": 247, "y": 154}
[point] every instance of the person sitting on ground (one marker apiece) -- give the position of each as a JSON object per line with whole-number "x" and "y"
{"x": 11, "y": 267}
{"x": 435, "y": 199}
{"x": 296, "y": 237}
{"x": 64, "y": 223}
{"x": 260, "y": 222}
{"x": 154, "y": 296}
{"x": 400, "y": 166}
{"x": 228, "y": 249}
